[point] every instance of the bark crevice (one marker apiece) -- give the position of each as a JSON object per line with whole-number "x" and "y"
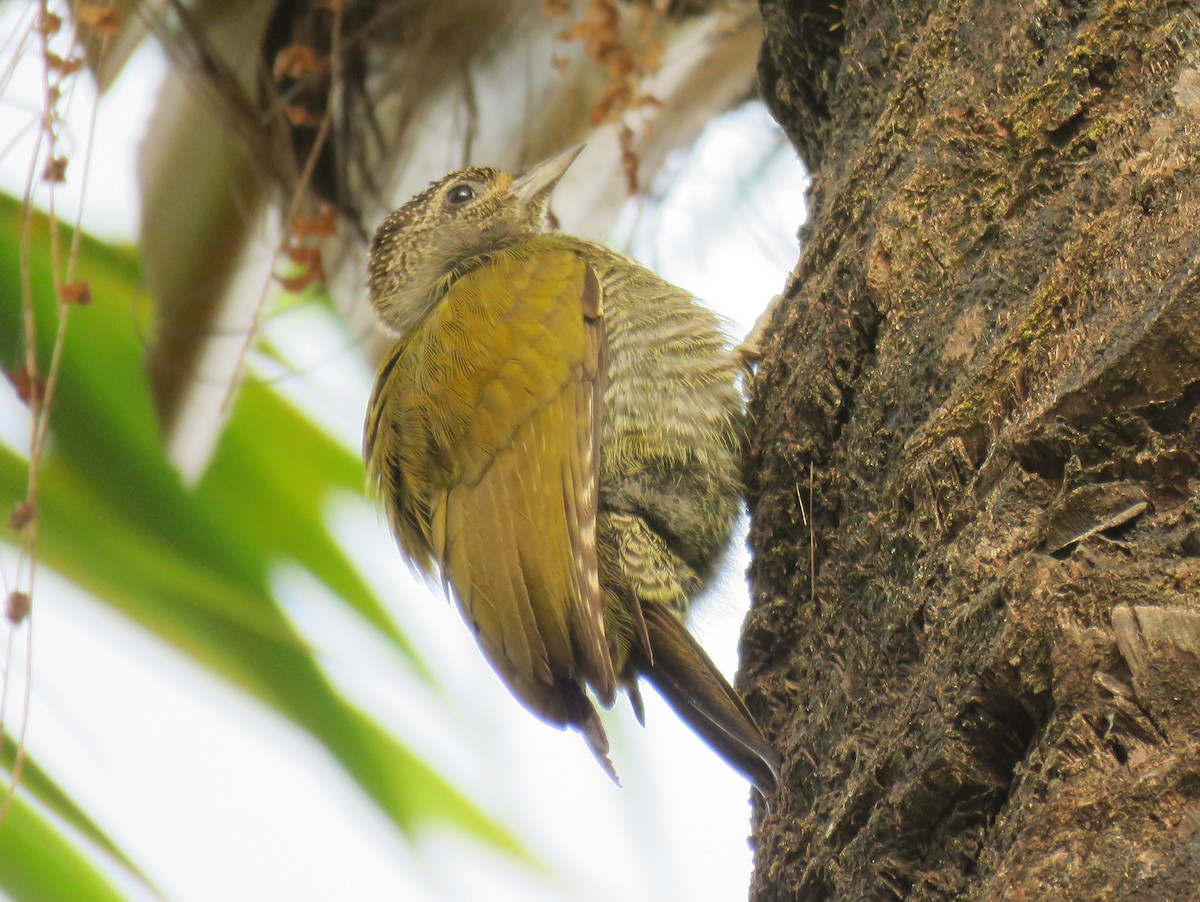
{"x": 974, "y": 623}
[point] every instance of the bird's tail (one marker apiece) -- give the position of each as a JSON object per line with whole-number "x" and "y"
{"x": 691, "y": 683}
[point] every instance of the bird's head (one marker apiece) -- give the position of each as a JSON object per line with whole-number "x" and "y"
{"x": 451, "y": 227}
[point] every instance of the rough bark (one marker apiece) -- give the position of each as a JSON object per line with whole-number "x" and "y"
{"x": 977, "y": 422}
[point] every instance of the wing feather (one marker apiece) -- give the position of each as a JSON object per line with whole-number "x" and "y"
{"x": 511, "y": 370}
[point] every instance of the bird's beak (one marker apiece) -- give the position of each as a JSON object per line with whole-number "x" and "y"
{"x": 539, "y": 180}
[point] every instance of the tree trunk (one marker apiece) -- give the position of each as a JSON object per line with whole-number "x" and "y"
{"x": 975, "y": 463}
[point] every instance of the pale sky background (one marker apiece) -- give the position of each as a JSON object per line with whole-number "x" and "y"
{"x": 220, "y": 799}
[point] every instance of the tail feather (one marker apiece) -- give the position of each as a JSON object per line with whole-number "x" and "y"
{"x": 584, "y": 718}
{"x": 693, "y": 686}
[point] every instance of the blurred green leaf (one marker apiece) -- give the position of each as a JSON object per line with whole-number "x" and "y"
{"x": 40, "y": 862}
{"x": 38, "y": 784}
{"x": 293, "y": 465}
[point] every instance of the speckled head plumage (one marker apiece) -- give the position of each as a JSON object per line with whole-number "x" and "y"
{"x": 451, "y": 226}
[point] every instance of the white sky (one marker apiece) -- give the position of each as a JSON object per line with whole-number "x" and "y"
{"x": 219, "y": 798}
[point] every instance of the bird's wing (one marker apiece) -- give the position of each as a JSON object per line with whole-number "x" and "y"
{"x": 518, "y": 362}
{"x": 392, "y": 443}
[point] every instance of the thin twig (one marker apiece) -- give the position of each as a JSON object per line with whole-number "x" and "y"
{"x": 41, "y": 397}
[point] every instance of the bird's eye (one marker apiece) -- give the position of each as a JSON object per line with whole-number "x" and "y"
{"x": 460, "y": 194}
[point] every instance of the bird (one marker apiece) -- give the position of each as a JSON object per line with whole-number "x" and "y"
{"x": 556, "y": 433}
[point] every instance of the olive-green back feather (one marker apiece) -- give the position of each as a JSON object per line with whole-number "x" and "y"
{"x": 482, "y": 439}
